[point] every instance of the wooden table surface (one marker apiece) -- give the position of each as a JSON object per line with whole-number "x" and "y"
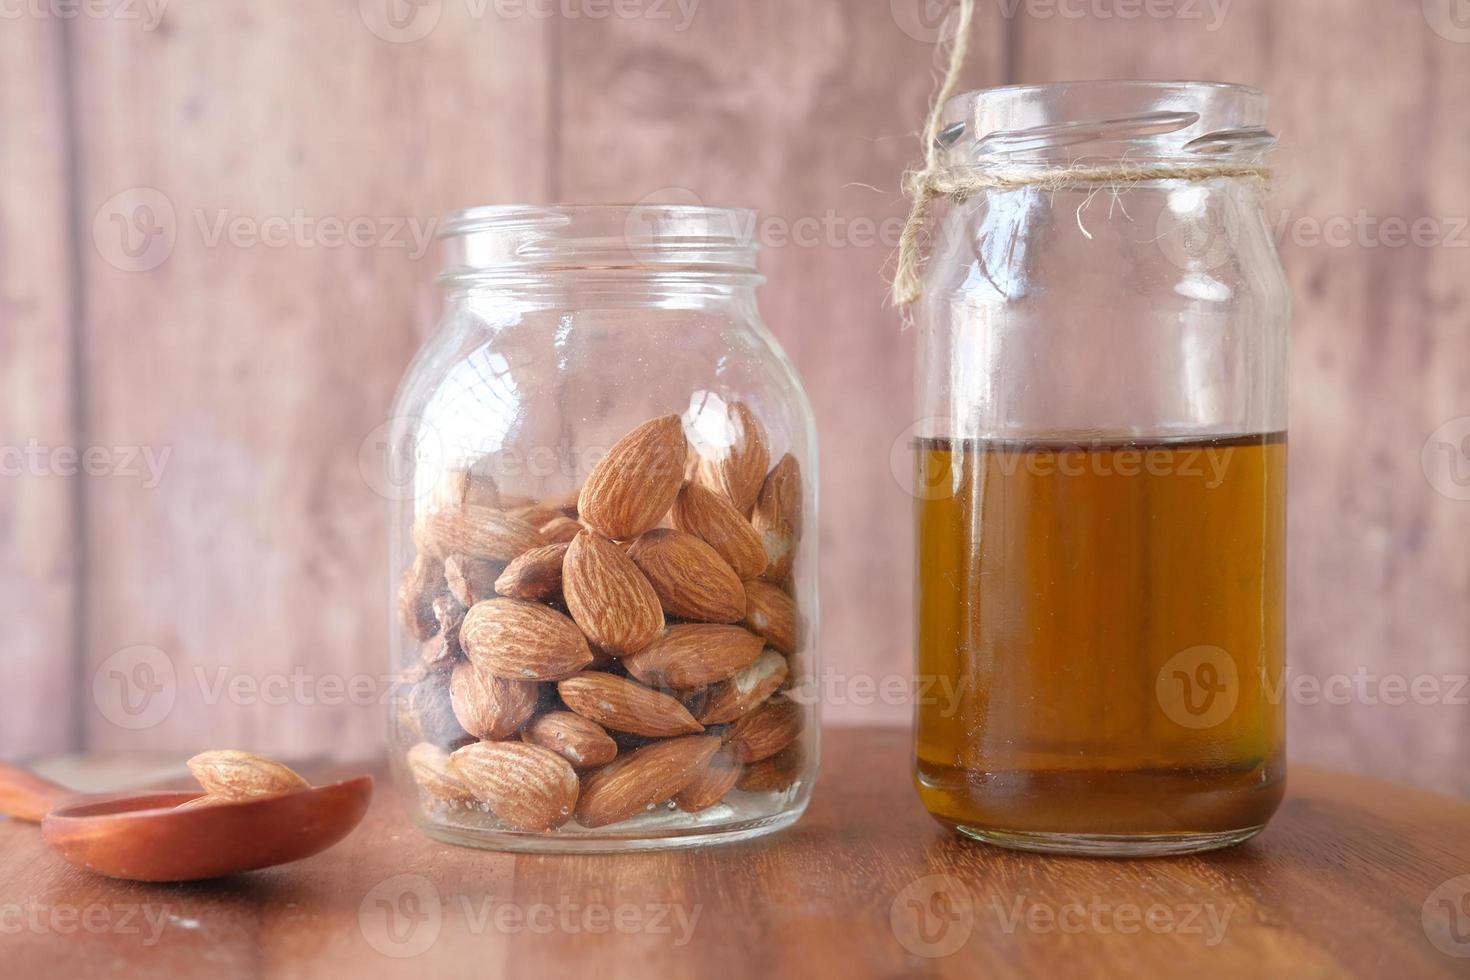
{"x": 1353, "y": 878}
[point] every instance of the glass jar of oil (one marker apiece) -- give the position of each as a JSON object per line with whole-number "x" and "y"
{"x": 1100, "y": 476}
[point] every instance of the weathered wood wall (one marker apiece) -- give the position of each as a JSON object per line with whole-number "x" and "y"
{"x": 140, "y": 159}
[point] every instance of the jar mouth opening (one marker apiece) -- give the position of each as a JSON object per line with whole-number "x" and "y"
{"x": 514, "y": 239}
{"x": 1143, "y": 121}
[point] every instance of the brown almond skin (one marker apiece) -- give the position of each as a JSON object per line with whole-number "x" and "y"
{"x": 739, "y": 469}
{"x": 690, "y": 578}
{"x": 458, "y": 488}
{"x": 537, "y": 514}
{"x": 693, "y": 655}
{"x": 476, "y": 532}
{"x": 525, "y": 786}
{"x": 450, "y": 614}
{"x": 428, "y": 711}
{"x": 644, "y": 778}
{"x": 773, "y": 775}
{"x": 471, "y": 580}
{"x": 560, "y": 529}
{"x": 749, "y": 687}
{"x": 711, "y": 517}
{"x": 535, "y": 575}
{"x": 429, "y": 765}
{"x": 713, "y": 782}
{"x": 227, "y": 774}
{"x": 422, "y": 583}
{"x": 771, "y": 613}
{"x": 632, "y": 487}
{"x": 608, "y": 597}
{"x": 626, "y": 706}
{"x": 765, "y": 731}
{"x": 436, "y": 653}
{"x": 524, "y": 641}
{"x": 777, "y": 518}
{"x": 581, "y": 741}
{"x": 487, "y": 706}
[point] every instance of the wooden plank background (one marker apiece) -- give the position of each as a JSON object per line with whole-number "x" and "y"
{"x": 261, "y": 370}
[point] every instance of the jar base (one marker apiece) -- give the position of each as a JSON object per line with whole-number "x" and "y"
{"x": 1109, "y": 845}
{"x": 603, "y": 843}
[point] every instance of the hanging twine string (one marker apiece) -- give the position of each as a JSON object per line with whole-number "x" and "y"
{"x": 924, "y": 187}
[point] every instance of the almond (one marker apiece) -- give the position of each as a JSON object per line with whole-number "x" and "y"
{"x": 737, "y": 467}
{"x": 608, "y": 597}
{"x": 749, "y": 687}
{"x": 618, "y": 703}
{"x": 690, "y": 578}
{"x": 711, "y": 517}
{"x": 772, "y": 775}
{"x": 476, "y": 532}
{"x": 580, "y": 741}
{"x": 487, "y": 706}
{"x": 429, "y": 765}
{"x": 428, "y": 712}
{"x": 450, "y": 614}
{"x": 535, "y": 575}
{"x": 536, "y": 514}
{"x": 692, "y": 655}
{"x": 771, "y": 613}
{"x": 765, "y": 731}
{"x": 713, "y": 782}
{"x": 471, "y": 580}
{"x": 524, "y": 641}
{"x": 422, "y": 582}
{"x": 435, "y": 652}
{"x": 560, "y": 529}
{"x": 632, "y": 487}
{"x": 637, "y": 782}
{"x": 456, "y": 488}
{"x": 777, "y": 518}
{"x": 525, "y": 786}
{"x": 230, "y": 775}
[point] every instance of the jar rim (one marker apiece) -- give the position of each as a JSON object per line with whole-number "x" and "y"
{"x": 492, "y": 216}
{"x": 1134, "y": 119}
{"x": 618, "y": 239}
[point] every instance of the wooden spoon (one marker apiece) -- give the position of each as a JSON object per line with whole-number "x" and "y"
{"x": 143, "y": 837}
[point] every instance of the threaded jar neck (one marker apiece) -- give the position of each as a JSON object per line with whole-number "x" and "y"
{"x": 632, "y": 241}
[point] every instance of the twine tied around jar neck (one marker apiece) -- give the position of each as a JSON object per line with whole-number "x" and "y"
{"x": 935, "y": 180}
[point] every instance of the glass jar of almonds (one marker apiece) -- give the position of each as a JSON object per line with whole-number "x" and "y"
{"x": 603, "y": 483}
